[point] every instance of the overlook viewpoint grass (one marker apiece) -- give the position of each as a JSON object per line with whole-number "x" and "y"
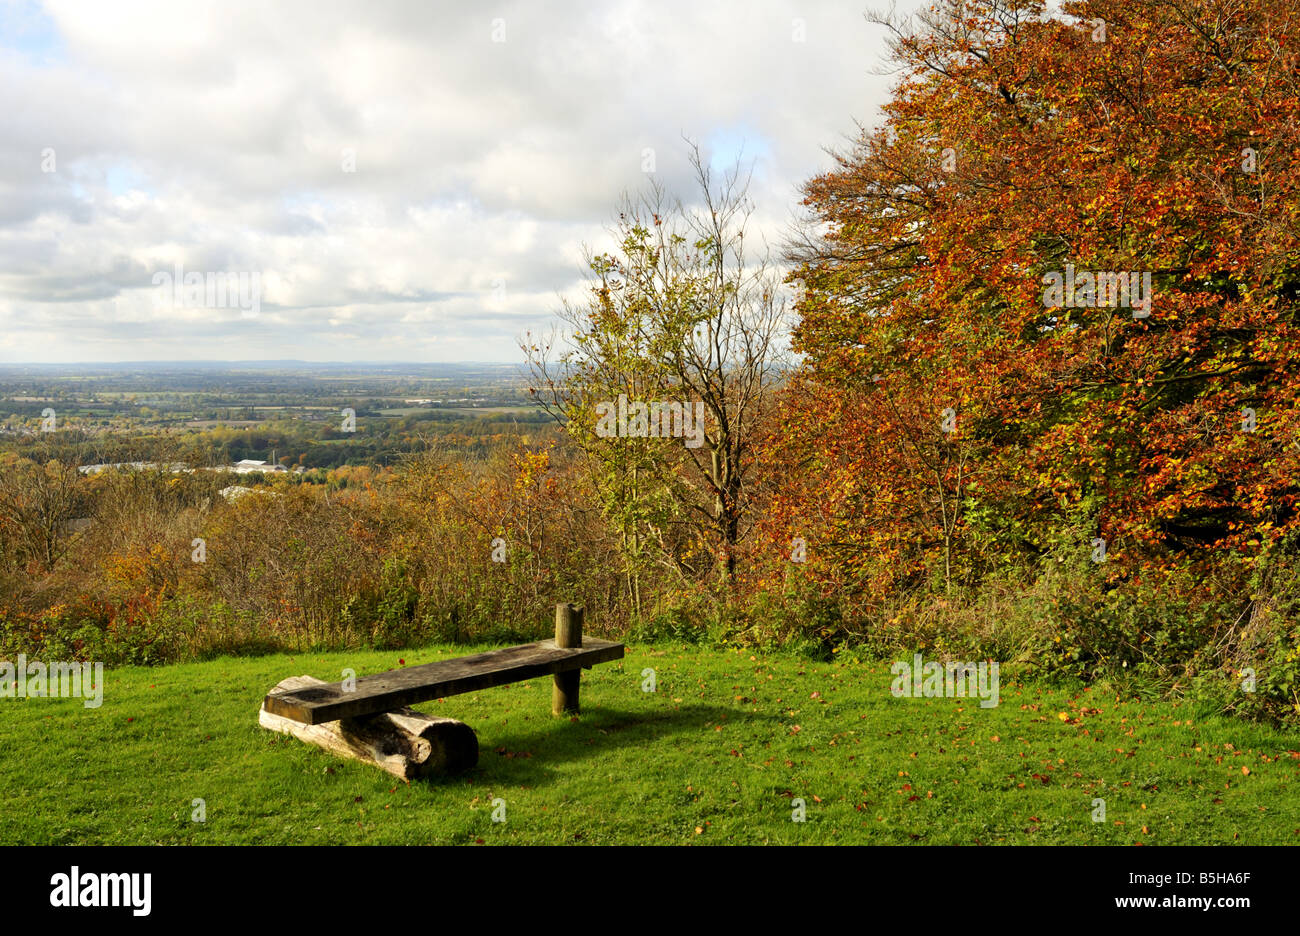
{"x": 722, "y": 752}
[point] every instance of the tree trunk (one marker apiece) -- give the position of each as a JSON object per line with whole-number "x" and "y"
{"x": 405, "y": 743}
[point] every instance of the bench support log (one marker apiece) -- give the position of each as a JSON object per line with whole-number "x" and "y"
{"x": 405, "y": 743}
{"x": 568, "y": 633}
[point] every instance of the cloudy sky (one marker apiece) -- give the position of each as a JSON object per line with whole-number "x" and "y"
{"x": 410, "y": 181}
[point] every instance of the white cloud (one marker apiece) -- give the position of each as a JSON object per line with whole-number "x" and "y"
{"x": 213, "y": 135}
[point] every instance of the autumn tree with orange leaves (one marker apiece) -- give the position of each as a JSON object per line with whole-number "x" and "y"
{"x": 1025, "y": 152}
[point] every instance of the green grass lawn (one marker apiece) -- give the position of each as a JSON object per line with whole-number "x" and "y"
{"x": 718, "y": 754}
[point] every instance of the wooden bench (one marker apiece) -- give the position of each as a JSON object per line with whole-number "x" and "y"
{"x": 368, "y": 718}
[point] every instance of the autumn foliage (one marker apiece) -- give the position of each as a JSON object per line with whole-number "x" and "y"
{"x": 948, "y": 424}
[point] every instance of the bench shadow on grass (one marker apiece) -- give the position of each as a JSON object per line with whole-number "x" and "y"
{"x": 526, "y": 757}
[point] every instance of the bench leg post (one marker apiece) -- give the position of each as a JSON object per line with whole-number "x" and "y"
{"x": 568, "y": 633}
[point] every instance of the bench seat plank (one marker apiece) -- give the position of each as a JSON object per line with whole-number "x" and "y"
{"x": 383, "y": 692}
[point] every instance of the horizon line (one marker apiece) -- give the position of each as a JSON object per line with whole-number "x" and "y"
{"x": 245, "y": 361}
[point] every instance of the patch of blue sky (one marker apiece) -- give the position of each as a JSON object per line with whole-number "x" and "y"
{"x": 25, "y": 28}
{"x": 122, "y": 179}
{"x": 727, "y": 145}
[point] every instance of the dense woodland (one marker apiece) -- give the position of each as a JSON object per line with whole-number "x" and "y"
{"x": 942, "y": 460}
